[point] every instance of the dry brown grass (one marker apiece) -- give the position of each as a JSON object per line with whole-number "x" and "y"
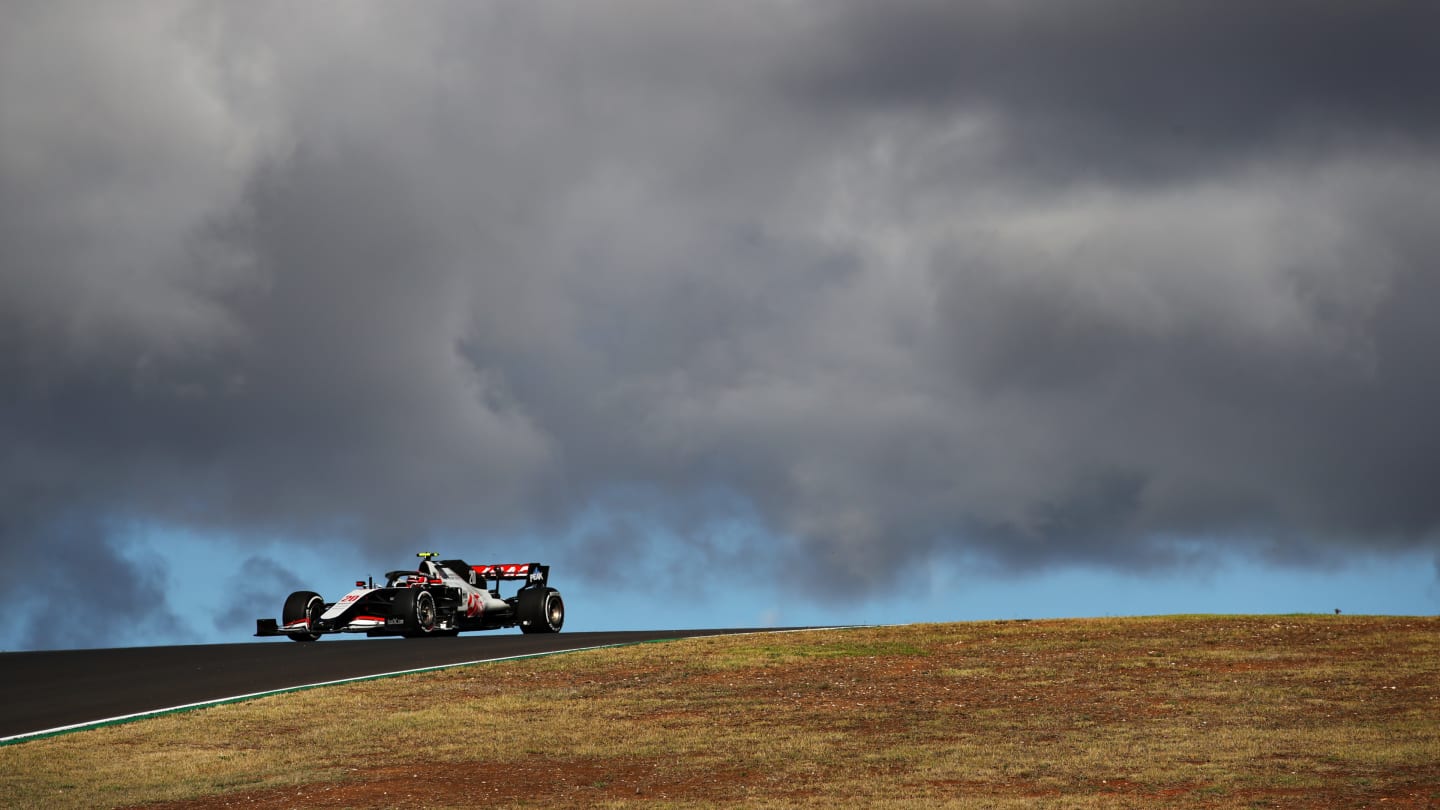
{"x": 1296, "y": 711}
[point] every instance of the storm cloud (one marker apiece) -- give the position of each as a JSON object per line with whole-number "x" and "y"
{"x": 840, "y": 286}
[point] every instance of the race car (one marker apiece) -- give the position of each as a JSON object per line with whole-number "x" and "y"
{"x": 437, "y": 598}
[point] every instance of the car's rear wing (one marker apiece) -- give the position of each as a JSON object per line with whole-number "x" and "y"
{"x": 535, "y": 573}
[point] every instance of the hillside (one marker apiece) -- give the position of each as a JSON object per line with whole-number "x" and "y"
{"x": 1202, "y": 711}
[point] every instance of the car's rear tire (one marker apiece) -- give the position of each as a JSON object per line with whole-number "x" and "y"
{"x": 541, "y": 610}
{"x": 302, "y": 605}
{"x": 417, "y": 608}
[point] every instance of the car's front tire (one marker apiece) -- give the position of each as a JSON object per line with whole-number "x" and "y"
{"x": 417, "y": 608}
{"x": 302, "y": 605}
{"x": 541, "y": 611}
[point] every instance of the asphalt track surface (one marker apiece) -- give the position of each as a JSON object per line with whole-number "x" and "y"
{"x": 50, "y": 689}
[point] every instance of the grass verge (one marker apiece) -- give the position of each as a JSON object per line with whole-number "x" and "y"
{"x": 1304, "y": 711}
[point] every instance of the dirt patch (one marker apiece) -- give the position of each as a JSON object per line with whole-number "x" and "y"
{"x": 1308, "y": 712}
{"x": 500, "y": 783}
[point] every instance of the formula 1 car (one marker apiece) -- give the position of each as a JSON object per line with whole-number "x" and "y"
{"x": 438, "y": 598}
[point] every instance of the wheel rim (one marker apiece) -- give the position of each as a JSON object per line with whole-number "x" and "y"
{"x": 313, "y": 611}
{"x": 425, "y": 611}
{"x": 555, "y": 611}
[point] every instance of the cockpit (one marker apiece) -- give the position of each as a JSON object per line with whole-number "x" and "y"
{"x": 427, "y": 573}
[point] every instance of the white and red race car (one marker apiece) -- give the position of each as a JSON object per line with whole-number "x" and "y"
{"x": 438, "y": 598}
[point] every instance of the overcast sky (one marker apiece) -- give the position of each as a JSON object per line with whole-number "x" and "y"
{"x": 651, "y": 290}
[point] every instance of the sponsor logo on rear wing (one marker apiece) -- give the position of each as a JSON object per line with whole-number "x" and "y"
{"x": 534, "y": 572}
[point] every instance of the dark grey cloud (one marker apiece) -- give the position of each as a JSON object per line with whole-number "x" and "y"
{"x": 250, "y": 592}
{"x": 1135, "y": 90}
{"x": 841, "y": 287}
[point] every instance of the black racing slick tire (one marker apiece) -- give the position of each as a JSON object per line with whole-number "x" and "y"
{"x": 417, "y": 608}
{"x": 302, "y": 605}
{"x": 541, "y": 611}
